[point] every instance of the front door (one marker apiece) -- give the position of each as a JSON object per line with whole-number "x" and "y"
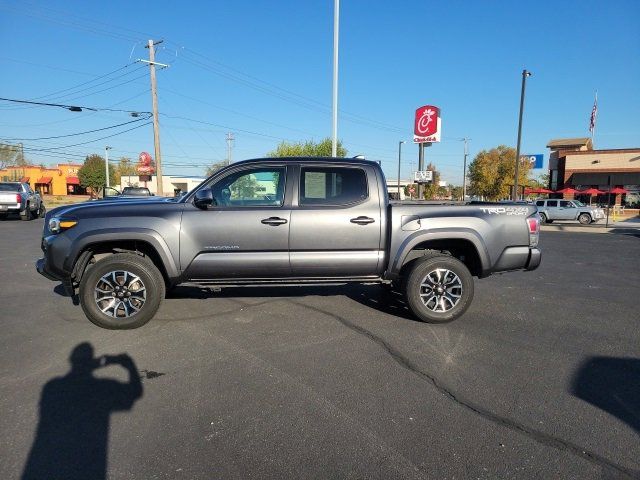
{"x": 245, "y": 234}
{"x": 336, "y": 222}
{"x": 567, "y": 210}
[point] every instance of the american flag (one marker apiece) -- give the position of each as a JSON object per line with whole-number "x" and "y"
{"x": 594, "y": 114}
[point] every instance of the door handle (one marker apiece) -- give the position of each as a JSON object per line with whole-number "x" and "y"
{"x": 362, "y": 220}
{"x": 274, "y": 221}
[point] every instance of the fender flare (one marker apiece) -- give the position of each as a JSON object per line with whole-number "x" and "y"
{"x": 421, "y": 236}
{"x": 125, "y": 234}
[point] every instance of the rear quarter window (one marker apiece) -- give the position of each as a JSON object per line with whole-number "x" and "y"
{"x": 540, "y": 203}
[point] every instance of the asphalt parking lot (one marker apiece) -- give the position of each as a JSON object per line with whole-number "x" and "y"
{"x": 539, "y": 379}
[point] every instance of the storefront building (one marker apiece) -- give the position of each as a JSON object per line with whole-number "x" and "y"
{"x": 59, "y": 180}
{"x": 574, "y": 163}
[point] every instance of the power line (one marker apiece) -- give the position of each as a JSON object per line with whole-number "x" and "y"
{"x": 78, "y": 133}
{"x": 74, "y": 108}
{"x": 91, "y": 141}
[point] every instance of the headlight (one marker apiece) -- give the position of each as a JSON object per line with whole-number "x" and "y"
{"x": 56, "y": 225}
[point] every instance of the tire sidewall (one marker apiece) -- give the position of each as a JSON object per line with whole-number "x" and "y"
{"x": 140, "y": 266}
{"x": 412, "y": 288}
{"x": 584, "y": 215}
{"x": 543, "y": 218}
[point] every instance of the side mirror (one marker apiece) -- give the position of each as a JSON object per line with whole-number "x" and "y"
{"x": 204, "y": 198}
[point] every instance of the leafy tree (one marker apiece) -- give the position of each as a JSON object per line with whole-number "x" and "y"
{"x": 123, "y": 168}
{"x": 11, "y": 155}
{"x": 456, "y": 193}
{"x": 307, "y": 149}
{"x": 215, "y": 167}
{"x": 244, "y": 187}
{"x": 92, "y": 174}
{"x": 431, "y": 188}
{"x": 491, "y": 173}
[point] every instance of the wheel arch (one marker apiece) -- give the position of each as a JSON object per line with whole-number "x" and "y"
{"x": 463, "y": 245}
{"x": 97, "y": 244}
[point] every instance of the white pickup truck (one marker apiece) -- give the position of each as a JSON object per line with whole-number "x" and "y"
{"x": 16, "y": 197}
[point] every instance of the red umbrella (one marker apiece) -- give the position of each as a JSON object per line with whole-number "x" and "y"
{"x": 618, "y": 190}
{"x": 590, "y": 191}
{"x": 528, "y": 191}
{"x": 566, "y": 190}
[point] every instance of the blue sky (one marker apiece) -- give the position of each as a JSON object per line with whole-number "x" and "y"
{"x": 262, "y": 70}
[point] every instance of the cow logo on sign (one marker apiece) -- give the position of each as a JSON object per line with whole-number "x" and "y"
{"x": 426, "y": 127}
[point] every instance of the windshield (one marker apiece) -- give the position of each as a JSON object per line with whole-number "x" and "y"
{"x": 579, "y": 204}
{"x": 9, "y": 187}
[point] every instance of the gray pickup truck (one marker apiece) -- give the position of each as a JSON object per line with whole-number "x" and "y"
{"x": 20, "y": 198}
{"x": 282, "y": 221}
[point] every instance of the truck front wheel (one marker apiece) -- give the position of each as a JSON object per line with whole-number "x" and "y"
{"x": 121, "y": 291}
{"x": 439, "y": 289}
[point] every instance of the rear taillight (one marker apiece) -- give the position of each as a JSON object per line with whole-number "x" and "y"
{"x": 18, "y": 198}
{"x": 533, "y": 223}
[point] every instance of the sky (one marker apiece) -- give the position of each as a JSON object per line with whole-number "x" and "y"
{"x": 263, "y": 71}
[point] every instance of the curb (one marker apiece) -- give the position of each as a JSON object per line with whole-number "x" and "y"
{"x": 594, "y": 229}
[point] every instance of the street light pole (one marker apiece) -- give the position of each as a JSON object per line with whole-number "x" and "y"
{"x": 525, "y": 74}
{"x": 334, "y": 126}
{"x": 106, "y": 167}
{"x": 464, "y": 168}
{"x": 399, "y": 157}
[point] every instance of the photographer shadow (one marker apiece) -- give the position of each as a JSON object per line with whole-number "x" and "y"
{"x": 73, "y": 431}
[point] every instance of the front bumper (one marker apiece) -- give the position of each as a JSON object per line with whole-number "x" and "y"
{"x": 41, "y": 267}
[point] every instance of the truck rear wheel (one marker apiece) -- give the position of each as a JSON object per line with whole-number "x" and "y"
{"x": 121, "y": 291}
{"x": 439, "y": 288}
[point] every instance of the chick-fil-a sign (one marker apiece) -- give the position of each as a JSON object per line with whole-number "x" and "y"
{"x": 426, "y": 127}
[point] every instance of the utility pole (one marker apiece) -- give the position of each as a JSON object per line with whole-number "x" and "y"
{"x": 525, "y": 74}
{"x": 464, "y": 168}
{"x": 156, "y": 125}
{"x": 230, "y": 139}
{"x": 334, "y": 126}
{"x": 399, "y": 158}
{"x": 106, "y": 168}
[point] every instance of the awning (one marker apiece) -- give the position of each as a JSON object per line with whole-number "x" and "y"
{"x": 44, "y": 180}
{"x": 24, "y": 179}
{"x": 73, "y": 181}
{"x": 617, "y": 178}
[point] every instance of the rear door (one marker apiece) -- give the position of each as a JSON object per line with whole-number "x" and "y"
{"x": 246, "y": 233}
{"x": 336, "y": 222}
{"x": 552, "y": 209}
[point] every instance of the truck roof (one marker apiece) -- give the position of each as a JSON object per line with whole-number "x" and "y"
{"x": 355, "y": 161}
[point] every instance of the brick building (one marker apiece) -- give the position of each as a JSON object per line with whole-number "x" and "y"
{"x": 574, "y": 163}
{"x": 59, "y": 180}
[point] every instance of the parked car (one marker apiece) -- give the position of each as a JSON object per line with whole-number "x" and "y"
{"x": 554, "y": 209}
{"x": 127, "y": 193}
{"x": 295, "y": 220}
{"x": 20, "y": 198}
{"x": 137, "y": 191}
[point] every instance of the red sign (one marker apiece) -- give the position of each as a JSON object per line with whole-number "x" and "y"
{"x": 145, "y": 164}
{"x": 426, "y": 127}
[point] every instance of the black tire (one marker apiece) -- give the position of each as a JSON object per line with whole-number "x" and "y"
{"x": 584, "y": 218}
{"x": 42, "y": 211}
{"x": 433, "y": 266}
{"x": 543, "y": 218}
{"x": 150, "y": 278}
{"x": 27, "y": 214}
{"x": 549, "y": 221}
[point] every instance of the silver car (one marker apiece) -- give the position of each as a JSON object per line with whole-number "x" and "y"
{"x": 555, "y": 209}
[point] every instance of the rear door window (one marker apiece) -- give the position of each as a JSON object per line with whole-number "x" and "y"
{"x": 332, "y": 186}
{"x": 552, "y": 203}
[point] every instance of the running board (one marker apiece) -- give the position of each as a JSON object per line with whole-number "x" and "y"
{"x": 282, "y": 282}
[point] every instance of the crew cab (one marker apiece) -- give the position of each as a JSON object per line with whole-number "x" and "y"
{"x": 282, "y": 221}
{"x": 20, "y": 198}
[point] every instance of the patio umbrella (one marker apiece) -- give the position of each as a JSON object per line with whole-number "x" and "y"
{"x": 529, "y": 191}
{"x": 590, "y": 191}
{"x": 566, "y": 190}
{"x": 618, "y": 190}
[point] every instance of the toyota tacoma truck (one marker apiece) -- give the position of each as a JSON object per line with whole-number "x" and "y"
{"x": 282, "y": 221}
